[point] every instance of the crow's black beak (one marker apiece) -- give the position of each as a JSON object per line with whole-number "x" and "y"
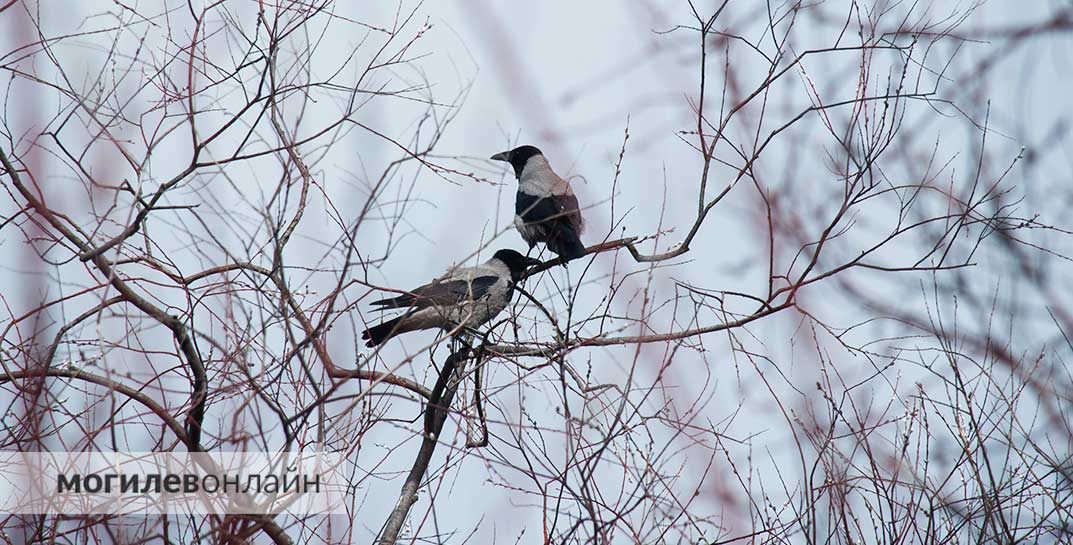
{"x": 501, "y": 156}
{"x": 532, "y": 262}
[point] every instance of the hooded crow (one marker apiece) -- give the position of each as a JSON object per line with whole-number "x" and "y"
{"x": 464, "y": 297}
{"x": 545, "y": 208}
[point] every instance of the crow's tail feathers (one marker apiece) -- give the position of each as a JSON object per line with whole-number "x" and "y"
{"x": 380, "y": 333}
{"x": 567, "y": 244}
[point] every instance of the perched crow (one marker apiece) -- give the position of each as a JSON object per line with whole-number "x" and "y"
{"x": 545, "y": 208}
{"x": 464, "y": 297}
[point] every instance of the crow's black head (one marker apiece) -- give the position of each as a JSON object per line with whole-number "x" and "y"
{"x": 517, "y": 157}
{"x": 516, "y": 262}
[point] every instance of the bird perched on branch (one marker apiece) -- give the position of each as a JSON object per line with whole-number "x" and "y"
{"x": 463, "y": 298}
{"x": 545, "y": 208}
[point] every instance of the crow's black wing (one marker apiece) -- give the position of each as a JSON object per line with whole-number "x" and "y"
{"x": 571, "y": 214}
{"x": 536, "y": 210}
{"x": 554, "y": 220}
{"x": 555, "y": 209}
{"x": 446, "y": 293}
